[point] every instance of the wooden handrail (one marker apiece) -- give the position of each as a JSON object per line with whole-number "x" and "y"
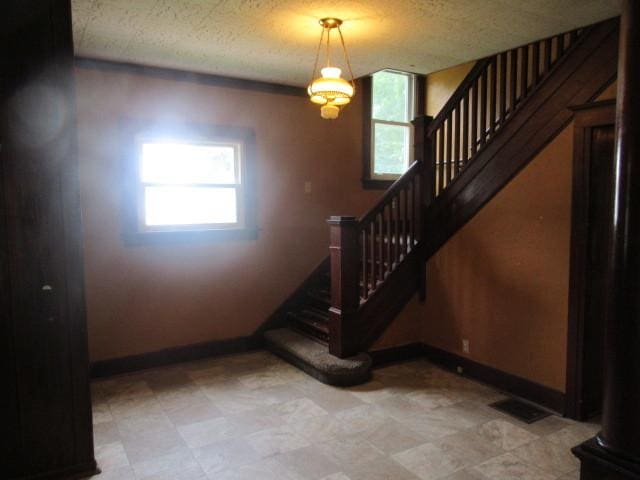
{"x": 392, "y": 191}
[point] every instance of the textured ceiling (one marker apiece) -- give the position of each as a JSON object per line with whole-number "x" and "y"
{"x": 276, "y": 40}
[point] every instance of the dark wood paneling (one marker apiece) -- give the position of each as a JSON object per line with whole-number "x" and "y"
{"x": 512, "y": 384}
{"x": 169, "y": 356}
{"x": 43, "y": 299}
{"x": 192, "y": 77}
{"x": 578, "y": 78}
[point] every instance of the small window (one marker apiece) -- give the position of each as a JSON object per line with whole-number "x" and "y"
{"x": 188, "y": 183}
{"x": 392, "y": 107}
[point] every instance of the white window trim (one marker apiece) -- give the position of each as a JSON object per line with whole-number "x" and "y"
{"x": 239, "y": 187}
{"x": 411, "y": 114}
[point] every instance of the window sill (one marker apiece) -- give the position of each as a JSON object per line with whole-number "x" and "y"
{"x": 371, "y": 184}
{"x": 186, "y": 236}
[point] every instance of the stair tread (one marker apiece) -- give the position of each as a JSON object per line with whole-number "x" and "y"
{"x": 315, "y": 359}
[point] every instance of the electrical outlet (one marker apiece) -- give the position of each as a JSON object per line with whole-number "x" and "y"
{"x": 307, "y": 187}
{"x": 465, "y": 345}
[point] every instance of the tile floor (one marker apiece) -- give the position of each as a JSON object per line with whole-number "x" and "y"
{"x": 253, "y": 416}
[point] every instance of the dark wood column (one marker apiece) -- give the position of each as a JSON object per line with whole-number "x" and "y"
{"x": 615, "y": 452}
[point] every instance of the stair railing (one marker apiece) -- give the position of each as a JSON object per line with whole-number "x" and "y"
{"x": 365, "y": 252}
{"x": 487, "y": 97}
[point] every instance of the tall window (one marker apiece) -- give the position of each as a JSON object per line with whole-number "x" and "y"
{"x": 392, "y": 109}
{"x": 390, "y": 132}
{"x": 187, "y": 182}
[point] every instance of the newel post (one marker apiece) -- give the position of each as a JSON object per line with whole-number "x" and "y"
{"x": 423, "y": 153}
{"x": 345, "y": 295}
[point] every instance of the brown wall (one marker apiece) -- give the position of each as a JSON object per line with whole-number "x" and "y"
{"x": 143, "y": 299}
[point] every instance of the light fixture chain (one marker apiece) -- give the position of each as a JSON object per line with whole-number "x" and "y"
{"x": 346, "y": 57}
{"x": 328, "y": 47}
{"x": 315, "y": 65}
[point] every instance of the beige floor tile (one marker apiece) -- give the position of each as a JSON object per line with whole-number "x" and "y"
{"x": 276, "y": 440}
{"x": 371, "y": 392}
{"x": 122, "y": 473}
{"x": 104, "y": 433}
{"x": 401, "y": 407}
{"x": 296, "y": 410}
{"x": 331, "y": 399}
{"x": 385, "y": 469}
{"x": 573, "y": 435}
{"x": 548, "y": 456}
{"x": 429, "y": 461}
{"x": 504, "y": 434}
{"x": 470, "y": 446}
{"x": 141, "y": 424}
{"x": 150, "y": 445}
{"x": 336, "y": 476}
{"x": 238, "y": 400}
{"x": 308, "y": 463}
{"x": 194, "y": 413}
{"x": 361, "y": 418}
{"x": 266, "y": 377}
{"x": 392, "y": 436}
{"x": 176, "y": 399}
{"x": 133, "y": 406}
{"x": 267, "y": 469}
{"x": 111, "y": 456}
{"x": 510, "y": 467}
{"x": 319, "y": 429}
{"x": 101, "y": 413}
{"x": 226, "y": 455}
{"x": 434, "y": 398}
{"x": 199, "y": 434}
{"x": 179, "y": 465}
{"x": 350, "y": 450}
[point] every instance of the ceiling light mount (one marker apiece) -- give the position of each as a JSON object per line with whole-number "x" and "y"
{"x": 329, "y": 90}
{"x": 330, "y": 22}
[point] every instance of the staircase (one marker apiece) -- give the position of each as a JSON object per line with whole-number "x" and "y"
{"x": 504, "y": 112}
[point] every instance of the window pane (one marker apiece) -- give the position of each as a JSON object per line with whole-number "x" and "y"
{"x": 391, "y": 96}
{"x": 391, "y": 154}
{"x": 189, "y": 205}
{"x": 185, "y": 163}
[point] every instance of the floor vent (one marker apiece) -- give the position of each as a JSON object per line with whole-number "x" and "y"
{"x": 521, "y": 410}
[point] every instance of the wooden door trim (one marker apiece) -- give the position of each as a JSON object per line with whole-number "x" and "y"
{"x": 586, "y": 117}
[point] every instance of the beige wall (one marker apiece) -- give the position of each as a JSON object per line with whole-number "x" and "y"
{"x": 440, "y": 86}
{"x": 143, "y": 299}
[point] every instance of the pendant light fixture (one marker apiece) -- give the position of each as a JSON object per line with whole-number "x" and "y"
{"x": 330, "y": 90}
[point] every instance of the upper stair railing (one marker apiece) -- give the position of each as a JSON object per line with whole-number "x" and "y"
{"x": 489, "y": 95}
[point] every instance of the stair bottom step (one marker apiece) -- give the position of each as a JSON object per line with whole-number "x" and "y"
{"x": 314, "y": 359}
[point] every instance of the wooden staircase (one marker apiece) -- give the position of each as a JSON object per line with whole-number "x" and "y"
{"x": 505, "y": 111}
